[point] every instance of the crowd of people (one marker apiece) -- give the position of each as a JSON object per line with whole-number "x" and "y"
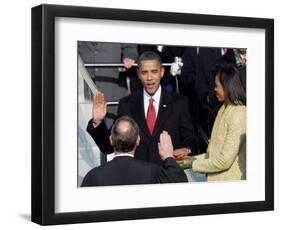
{"x": 156, "y": 133}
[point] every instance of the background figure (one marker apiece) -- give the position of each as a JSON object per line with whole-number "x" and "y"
{"x": 108, "y": 80}
{"x": 124, "y": 169}
{"x": 187, "y": 81}
{"x": 238, "y": 57}
{"x": 226, "y": 154}
{"x": 204, "y": 86}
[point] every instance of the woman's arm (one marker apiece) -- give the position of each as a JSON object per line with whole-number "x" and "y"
{"x": 224, "y": 157}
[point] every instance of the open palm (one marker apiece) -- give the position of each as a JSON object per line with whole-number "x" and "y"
{"x": 99, "y": 108}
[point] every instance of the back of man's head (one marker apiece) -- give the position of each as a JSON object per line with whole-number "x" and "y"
{"x": 124, "y": 135}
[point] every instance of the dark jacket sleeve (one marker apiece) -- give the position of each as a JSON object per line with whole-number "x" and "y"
{"x": 171, "y": 172}
{"x": 187, "y": 130}
{"x": 100, "y": 134}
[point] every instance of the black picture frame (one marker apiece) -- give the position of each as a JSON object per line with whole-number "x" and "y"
{"x": 43, "y": 113}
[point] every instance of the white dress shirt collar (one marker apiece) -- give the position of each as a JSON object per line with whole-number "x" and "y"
{"x": 123, "y": 155}
{"x": 156, "y": 102}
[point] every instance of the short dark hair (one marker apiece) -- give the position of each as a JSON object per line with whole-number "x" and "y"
{"x": 149, "y": 55}
{"x": 228, "y": 75}
{"x": 124, "y": 140}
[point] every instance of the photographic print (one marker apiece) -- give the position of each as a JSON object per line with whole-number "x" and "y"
{"x": 189, "y": 97}
{"x": 189, "y": 74}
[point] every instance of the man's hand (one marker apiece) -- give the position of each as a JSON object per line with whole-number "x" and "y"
{"x": 99, "y": 108}
{"x": 165, "y": 146}
{"x": 181, "y": 153}
{"x": 128, "y": 62}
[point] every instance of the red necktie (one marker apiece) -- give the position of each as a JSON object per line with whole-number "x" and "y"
{"x": 151, "y": 116}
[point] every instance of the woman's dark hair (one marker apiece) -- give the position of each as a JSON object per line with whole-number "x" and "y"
{"x": 228, "y": 75}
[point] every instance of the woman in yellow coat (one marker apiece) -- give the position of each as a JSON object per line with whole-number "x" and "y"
{"x": 225, "y": 159}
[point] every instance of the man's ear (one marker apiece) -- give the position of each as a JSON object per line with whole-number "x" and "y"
{"x": 138, "y": 73}
{"x": 110, "y": 139}
{"x": 138, "y": 141}
{"x": 162, "y": 71}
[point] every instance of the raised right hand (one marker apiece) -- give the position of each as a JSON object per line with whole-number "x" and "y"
{"x": 99, "y": 108}
{"x": 165, "y": 146}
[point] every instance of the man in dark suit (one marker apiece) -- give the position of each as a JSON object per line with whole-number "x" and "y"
{"x": 154, "y": 109}
{"x": 124, "y": 169}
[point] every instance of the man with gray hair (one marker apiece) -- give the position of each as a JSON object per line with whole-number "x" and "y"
{"x": 124, "y": 169}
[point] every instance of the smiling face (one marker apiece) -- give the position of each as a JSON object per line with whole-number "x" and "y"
{"x": 150, "y": 73}
{"x": 220, "y": 92}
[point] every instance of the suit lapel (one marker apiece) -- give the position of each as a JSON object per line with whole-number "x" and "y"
{"x": 164, "y": 110}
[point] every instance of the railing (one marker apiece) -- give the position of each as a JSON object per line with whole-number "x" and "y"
{"x": 115, "y": 65}
{"x": 82, "y": 72}
{"x": 175, "y": 69}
